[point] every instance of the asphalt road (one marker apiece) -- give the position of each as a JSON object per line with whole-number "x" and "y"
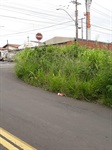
{"x": 50, "y": 122}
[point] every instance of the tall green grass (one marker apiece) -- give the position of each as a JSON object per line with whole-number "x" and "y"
{"x": 73, "y": 70}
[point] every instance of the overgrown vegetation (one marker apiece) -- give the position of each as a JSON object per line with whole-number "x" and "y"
{"x": 73, "y": 70}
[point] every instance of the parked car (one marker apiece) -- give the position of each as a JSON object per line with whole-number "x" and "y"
{"x": 11, "y": 57}
{"x": 3, "y": 55}
{"x": 1, "y": 59}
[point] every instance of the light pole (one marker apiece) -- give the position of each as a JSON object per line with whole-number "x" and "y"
{"x": 76, "y": 16}
{"x": 66, "y": 12}
{"x": 76, "y": 21}
{"x": 70, "y": 17}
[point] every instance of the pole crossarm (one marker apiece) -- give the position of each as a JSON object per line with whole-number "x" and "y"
{"x": 75, "y": 2}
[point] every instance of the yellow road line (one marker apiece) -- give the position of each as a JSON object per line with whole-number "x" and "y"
{"x": 7, "y": 144}
{"x": 16, "y": 140}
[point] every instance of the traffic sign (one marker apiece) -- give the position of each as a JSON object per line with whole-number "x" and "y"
{"x": 39, "y": 36}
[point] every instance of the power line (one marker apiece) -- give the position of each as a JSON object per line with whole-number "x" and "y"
{"x": 41, "y": 13}
{"x": 44, "y": 16}
{"x": 101, "y": 27}
{"x": 100, "y": 12}
{"x": 57, "y": 25}
{"x": 34, "y": 13}
{"x": 23, "y": 19}
{"x": 102, "y": 7}
{"x": 37, "y": 28}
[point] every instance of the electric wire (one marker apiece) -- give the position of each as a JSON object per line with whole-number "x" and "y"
{"x": 37, "y": 28}
{"x": 103, "y": 7}
{"x": 45, "y": 14}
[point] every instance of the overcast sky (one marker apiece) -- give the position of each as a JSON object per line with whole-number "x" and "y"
{"x": 20, "y": 19}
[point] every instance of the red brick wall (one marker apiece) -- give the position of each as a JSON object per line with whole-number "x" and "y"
{"x": 94, "y": 44}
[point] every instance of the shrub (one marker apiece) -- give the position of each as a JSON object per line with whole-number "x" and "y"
{"x": 73, "y": 70}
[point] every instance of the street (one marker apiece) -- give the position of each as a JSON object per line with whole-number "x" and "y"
{"x": 47, "y": 121}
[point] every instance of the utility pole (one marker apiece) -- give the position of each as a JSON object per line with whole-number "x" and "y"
{"x": 86, "y": 22}
{"x": 82, "y": 26}
{"x": 7, "y": 42}
{"x": 7, "y": 45}
{"x": 88, "y": 25}
{"x": 28, "y": 38}
{"x": 76, "y": 16}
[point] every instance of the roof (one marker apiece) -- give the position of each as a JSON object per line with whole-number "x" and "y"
{"x": 28, "y": 44}
{"x": 1, "y": 48}
{"x": 12, "y": 45}
{"x": 58, "y": 40}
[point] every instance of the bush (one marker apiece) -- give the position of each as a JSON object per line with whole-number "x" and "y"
{"x": 73, "y": 70}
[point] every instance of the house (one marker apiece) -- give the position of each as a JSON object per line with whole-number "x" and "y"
{"x": 58, "y": 41}
{"x": 12, "y": 50}
{"x": 11, "y": 47}
{"x": 1, "y": 48}
{"x": 28, "y": 44}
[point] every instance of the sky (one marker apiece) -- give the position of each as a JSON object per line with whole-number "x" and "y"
{"x": 21, "y": 20}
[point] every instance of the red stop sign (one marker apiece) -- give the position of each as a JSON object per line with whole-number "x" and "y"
{"x": 39, "y": 36}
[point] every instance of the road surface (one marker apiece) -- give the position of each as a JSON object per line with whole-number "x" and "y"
{"x": 47, "y": 121}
